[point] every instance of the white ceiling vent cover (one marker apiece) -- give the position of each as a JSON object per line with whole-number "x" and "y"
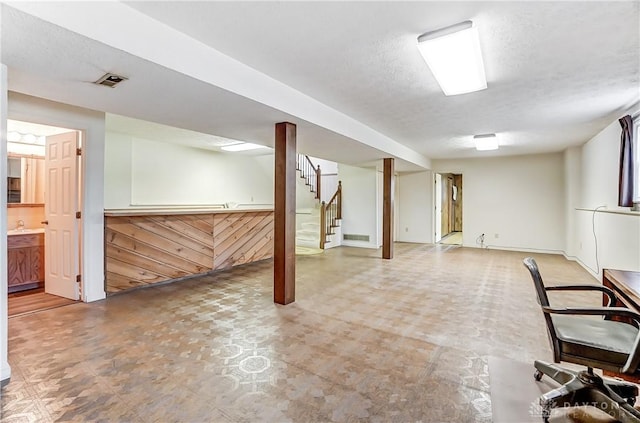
{"x": 110, "y": 80}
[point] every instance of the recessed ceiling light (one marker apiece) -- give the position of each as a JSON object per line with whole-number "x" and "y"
{"x": 242, "y": 147}
{"x": 454, "y": 57}
{"x": 486, "y": 142}
{"x": 110, "y": 80}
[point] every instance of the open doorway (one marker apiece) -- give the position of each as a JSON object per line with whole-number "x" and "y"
{"x": 43, "y": 216}
{"x": 448, "y": 211}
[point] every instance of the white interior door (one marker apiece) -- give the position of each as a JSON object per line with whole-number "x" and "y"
{"x": 438, "y": 208}
{"x": 60, "y": 207}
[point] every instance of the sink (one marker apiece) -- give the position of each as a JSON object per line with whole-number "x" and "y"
{"x": 25, "y": 231}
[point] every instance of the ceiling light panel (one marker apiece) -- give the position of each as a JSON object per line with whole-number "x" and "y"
{"x": 486, "y": 142}
{"x": 242, "y": 147}
{"x": 454, "y": 57}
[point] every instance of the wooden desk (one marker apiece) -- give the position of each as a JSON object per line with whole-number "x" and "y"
{"x": 626, "y": 285}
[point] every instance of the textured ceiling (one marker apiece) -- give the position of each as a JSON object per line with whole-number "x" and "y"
{"x": 47, "y": 61}
{"x": 558, "y": 72}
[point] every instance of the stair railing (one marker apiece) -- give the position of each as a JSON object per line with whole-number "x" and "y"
{"x": 311, "y": 174}
{"x": 330, "y": 213}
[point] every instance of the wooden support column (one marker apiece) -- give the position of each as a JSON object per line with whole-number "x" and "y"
{"x": 387, "y": 209}
{"x": 284, "y": 237}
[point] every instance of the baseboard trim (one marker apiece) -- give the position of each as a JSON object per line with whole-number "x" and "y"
{"x": 584, "y": 266}
{"x": 520, "y": 249}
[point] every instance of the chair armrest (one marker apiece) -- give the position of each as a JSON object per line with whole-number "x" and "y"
{"x": 595, "y": 311}
{"x": 633, "y": 361}
{"x": 601, "y": 288}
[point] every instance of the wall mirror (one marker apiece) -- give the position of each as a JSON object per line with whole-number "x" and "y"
{"x": 25, "y": 179}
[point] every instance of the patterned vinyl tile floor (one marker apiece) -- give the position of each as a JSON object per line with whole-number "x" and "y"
{"x": 367, "y": 339}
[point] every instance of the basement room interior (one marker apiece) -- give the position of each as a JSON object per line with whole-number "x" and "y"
{"x": 320, "y": 211}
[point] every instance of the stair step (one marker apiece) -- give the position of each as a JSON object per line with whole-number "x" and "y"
{"x": 307, "y": 233}
{"x": 308, "y": 243}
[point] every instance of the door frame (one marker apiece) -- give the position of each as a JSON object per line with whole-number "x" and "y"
{"x": 437, "y": 214}
{"x": 91, "y": 124}
{"x": 80, "y": 198}
{"x": 437, "y": 195}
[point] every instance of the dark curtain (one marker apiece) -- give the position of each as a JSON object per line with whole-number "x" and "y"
{"x": 625, "y": 181}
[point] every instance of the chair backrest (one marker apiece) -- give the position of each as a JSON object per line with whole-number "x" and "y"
{"x": 543, "y": 299}
{"x": 531, "y": 264}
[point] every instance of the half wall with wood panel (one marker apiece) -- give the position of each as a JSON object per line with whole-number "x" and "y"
{"x": 145, "y": 247}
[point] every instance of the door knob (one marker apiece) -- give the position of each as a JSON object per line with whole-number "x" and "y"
{"x": 45, "y": 222}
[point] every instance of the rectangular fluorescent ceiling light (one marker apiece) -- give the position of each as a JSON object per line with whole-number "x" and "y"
{"x": 245, "y": 146}
{"x": 454, "y": 57}
{"x": 486, "y": 142}
{"x": 216, "y": 141}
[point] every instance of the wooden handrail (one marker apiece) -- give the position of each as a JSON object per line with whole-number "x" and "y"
{"x": 329, "y": 213}
{"x": 309, "y": 160}
{"x": 311, "y": 174}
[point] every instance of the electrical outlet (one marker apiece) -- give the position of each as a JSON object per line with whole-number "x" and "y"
{"x": 406, "y": 229}
{"x": 496, "y": 236}
{"x": 580, "y": 245}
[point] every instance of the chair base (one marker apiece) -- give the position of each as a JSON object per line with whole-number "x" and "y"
{"x": 614, "y": 397}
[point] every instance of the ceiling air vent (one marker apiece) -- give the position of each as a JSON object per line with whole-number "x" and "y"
{"x": 110, "y": 80}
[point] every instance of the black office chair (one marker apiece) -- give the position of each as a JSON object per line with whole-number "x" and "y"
{"x": 596, "y": 343}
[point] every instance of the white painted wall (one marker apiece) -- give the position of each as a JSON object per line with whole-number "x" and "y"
{"x": 519, "y": 198}
{"x": 143, "y": 172}
{"x": 415, "y": 205}
{"x": 5, "y": 369}
{"x": 326, "y": 166}
{"x": 329, "y": 181}
{"x": 117, "y": 171}
{"x": 359, "y": 204}
{"x": 595, "y": 178}
{"x": 91, "y": 123}
{"x": 599, "y": 173}
{"x": 572, "y": 189}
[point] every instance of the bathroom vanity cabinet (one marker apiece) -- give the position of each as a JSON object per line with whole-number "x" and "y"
{"x": 25, "y": 261}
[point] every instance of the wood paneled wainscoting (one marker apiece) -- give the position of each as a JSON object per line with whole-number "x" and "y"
{"x": 145, "y": 247}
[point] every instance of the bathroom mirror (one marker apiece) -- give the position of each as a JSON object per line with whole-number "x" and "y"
{"x": 25, "y": 180}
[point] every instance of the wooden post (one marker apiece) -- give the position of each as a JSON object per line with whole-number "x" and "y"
{"x": 387, "y": 209}
{"x": 323, "y": 225}
{"x": 284, "y": 238}
{"x": 318, "y": 183}
{"x": 339, "y": 214}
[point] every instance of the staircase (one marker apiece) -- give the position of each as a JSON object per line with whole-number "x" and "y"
{"x": 317, "y": 221}
{"x": 308, "y": 227}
